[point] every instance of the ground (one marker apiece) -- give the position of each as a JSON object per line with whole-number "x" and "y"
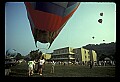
{"x": 20, "y": 70}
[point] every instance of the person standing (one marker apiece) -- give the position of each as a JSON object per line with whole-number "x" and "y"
{"x": 31, "y": 65}
{"x": 91, "y": 64}
{"x": 53, "y": 65}
{"x": 41, "y": 63}
{"x": 37, "y": 61}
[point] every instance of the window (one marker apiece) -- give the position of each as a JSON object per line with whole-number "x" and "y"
{"x": 85, "y": 51}
{"x": 65, "y": 51}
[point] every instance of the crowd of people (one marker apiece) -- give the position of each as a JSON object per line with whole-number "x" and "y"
{"x": 38, "y": 65}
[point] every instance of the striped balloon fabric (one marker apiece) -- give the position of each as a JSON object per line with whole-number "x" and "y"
{"x": 48, "y": 18}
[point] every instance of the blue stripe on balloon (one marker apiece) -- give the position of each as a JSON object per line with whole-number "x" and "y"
{"x": 50, "y": 8}
{"x": 55, "y": 8}
{"x": 70, "y": 4}
{"x": 63, "y": 4}
{"x": 70, "y": 9}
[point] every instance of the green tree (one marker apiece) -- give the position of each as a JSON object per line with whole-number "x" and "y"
{"x": 34, "y": 54}
{"x": 102, "y": 57}
{"x": 19, "y": 56}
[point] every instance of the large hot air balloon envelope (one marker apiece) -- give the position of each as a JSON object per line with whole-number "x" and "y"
{"x": 48, "y": 18}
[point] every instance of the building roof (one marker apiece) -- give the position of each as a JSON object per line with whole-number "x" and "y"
{"x": 62, "y": 48}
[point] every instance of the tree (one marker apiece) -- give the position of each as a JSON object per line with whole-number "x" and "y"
{"x": 34, "y": 54}
{"x": 102, "y": 57}
{"x": 18, "y": 56}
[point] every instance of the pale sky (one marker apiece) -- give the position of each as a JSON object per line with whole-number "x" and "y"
{"x": 78, "y": 31}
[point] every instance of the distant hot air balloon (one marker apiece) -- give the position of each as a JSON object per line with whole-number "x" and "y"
{"x": 93, "y": 37}
{"x": 101, "y": 14}
{"x": 48, "y": 18}
{"x": 100, "y": 20}
{"x": 11, "y": 52}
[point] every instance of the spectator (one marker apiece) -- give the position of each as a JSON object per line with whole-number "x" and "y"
{"x": 53, "y": 65}
{"x": 31, "y": 65}
{"x": 40, "y": 66}
{"x": 91, "y": 64}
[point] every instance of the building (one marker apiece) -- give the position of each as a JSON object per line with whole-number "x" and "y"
{"x": 68, "y": 54}
{"x": 83, "y": 56}
{"x": 63, "y": 54}
{"x": 47, "y": 56}
{"x": 93, "y": 55}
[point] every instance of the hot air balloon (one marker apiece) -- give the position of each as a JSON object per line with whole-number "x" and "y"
{"x": 11, "y": 52}
{"x": 93, "y": 37}
{"x": 48, "y": 18}
{"x": 100, "y": 20}
{"x": 101, "y": 14}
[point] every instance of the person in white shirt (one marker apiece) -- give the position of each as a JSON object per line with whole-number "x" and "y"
{"x": 41, "y": 63}
{"x": 31, "y": 65}
{"x": 53, "y": 65}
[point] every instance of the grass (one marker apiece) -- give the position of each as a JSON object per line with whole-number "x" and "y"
{"x": 20, "y": 70}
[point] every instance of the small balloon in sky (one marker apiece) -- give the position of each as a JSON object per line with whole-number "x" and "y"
{"x": 93, "y": 37}
{"x": 101, "y": 14}
{"x": 100, "y": 20}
